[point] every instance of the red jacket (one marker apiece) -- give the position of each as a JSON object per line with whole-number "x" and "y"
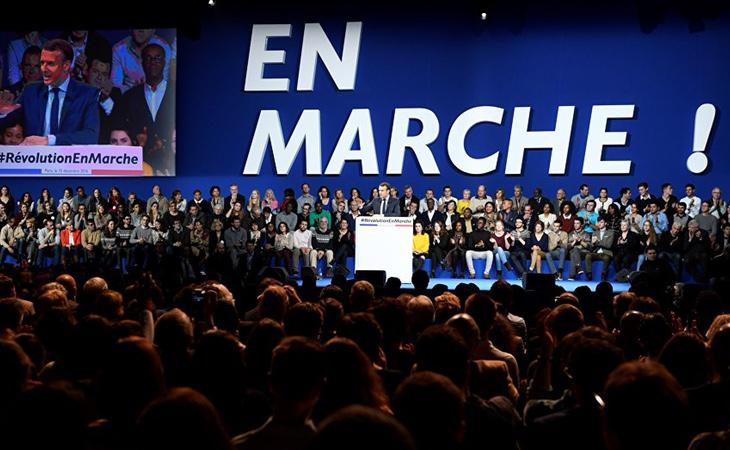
{"x": 65, "y": 238}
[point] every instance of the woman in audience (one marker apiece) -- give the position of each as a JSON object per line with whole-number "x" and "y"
{"x": 547, "y": 216}
{"x": 567, "y": 216}
{"x": 199, "y": 240}
{"x": 101, "y": 218}
{"x": 498, "y": 199}
{"x": 626, "y": 248}
{"x": 68, "y": 194}
{"x": 603, "y": 201}
{"x": 420, "y": 246}
{"x": 634, "y": 218}
{"x": 340, "y": 197}
{"x": 490, "y": 215}
{"x": 7, "y": 200}
{"x": 154, "y": 213}
{"x": 344, "y": 242}
{"x": 65, "y": 216}
{"x": 502, "y": 243}
{"x": 115, "y": 202}
{"x": 43, "y": 197}
{"x": 450, "y": 215}
{"x": 284, "y": 246}
{"x": 216, "y": 235}
{"x": 95, "y": 200}
{"x": 109, "y": 245}
{"x": 647, "y": 239}
{"x": 439, "y": 246}
{"x": 254, "y": 200}
{"x": 455, "y": 257}
{"x": 539, "y": 246}
{"x": 28, "y": 200}
{"x": 270, "y": 201}
{"x": 351, "y": 380}
{"x": 180, "y": 203}
{"x": 613, "y": 218}
{"x": 464, "y": 201}
{"x": 324, "y": 196}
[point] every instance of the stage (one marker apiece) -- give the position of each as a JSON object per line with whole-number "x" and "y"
{"x": 483, "y": 284}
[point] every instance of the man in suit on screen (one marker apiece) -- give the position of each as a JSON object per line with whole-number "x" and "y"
{"x": 149, "y": 111}
{"x": 384, "y": 205}
{"x": 60, "y": 110}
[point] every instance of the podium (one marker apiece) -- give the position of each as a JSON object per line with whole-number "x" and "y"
{"x": 385, "y": 243}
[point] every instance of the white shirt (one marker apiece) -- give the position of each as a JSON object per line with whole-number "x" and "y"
{"x": 302, "y": 239}
{"x": 693, "y": 205}
{"x": 63, "y": 89}
{"x": 154, "y": 97}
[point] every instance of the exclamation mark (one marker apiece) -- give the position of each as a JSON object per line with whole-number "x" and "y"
{"x": 704, "y": 120}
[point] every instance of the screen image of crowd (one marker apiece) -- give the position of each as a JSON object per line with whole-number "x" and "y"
{"x": 120, "y": 87}
{"x": 152, "y": 321}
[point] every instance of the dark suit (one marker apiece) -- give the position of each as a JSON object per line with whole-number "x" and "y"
{"x": 107, "y": 123}
{"x": 428, "y": 223}
{"x": 390, "y": 209}
{"x": 404, "y": 207}
{"x": 137, "y": 116}
{"x": 79, "y": 122}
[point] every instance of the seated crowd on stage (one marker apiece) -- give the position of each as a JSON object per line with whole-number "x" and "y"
{"x": 235, "y": 236}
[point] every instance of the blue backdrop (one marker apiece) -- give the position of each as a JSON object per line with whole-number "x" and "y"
{"x": 448, "y": 63}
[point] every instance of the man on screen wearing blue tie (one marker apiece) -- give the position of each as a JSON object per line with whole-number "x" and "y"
{"x": 384, "y": 205}
{"x": 59, "y": 111}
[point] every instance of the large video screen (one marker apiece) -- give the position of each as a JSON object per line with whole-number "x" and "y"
{"x": 88, "y": 102}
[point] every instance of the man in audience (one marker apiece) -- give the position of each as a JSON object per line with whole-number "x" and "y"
{"x": 644, "y": 199}
{"x": 423, "y": 204}
{"x": 91, "y": 242}
{"x": 657, "y": 218}
{"x": 696, "y": 250}
{"x": 479, "y": 247}
{"x": 691, "y": 200}
{"x": 128, "y": 61}
{"x": 582, "y": 197}
{"x": 707, "y": 222}
{"x": 479, "y": 201}
{"x": 578, "y": 244}
{"x": 288, "y": 216}
{"x": 233, "y": 197}
{"x": 235, "y": 241}
{"x": 406, "y": 200}
{"x": 645, "y": 407}
{"x": 30, "y": 68}
{"x": 110, "y": 96}
{"x": 671, "y": 246}
{"x": 681, "y": 217}
{"x": 431, "y": 215}
{"x": 296, "y": 377}
{"x": 537, "y": 202}
{"x": 519, "y": 201}
{"x": 142, "y": 243}
{"x": 11, "y": 239}
{"x": 322, "y": 246}
{"x": 305, "y": 198}
{"x": 162, "y": 203}
{"x": 302, "y": 242}
{"x": 148, "y": 111}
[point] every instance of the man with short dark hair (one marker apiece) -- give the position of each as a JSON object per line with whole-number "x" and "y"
{"x": 235, "y": 241}
{"x": 305, "y": 198}
{"x": 43, "y": 105}
{"x": 383, "y": 204}
{"x": 296, "y": 379}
